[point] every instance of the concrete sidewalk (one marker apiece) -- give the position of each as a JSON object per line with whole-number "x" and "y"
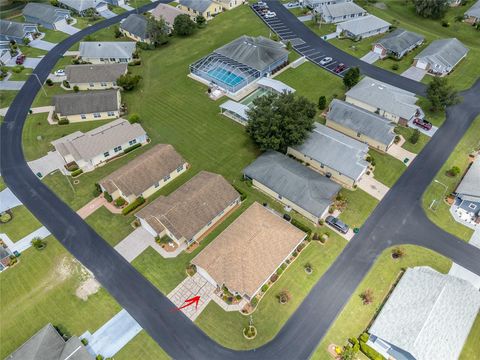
{"x": 8, "y": 200}
{"x": 23, "y": 244}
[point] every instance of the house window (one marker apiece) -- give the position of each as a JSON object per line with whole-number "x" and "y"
{"x": 83, "y": 116}
{"x": 209, "y": 223}
{"x": 157, "y": 184}
{"x": 111, "y": 113}
{"x": 106, "y": 154}
{"x": 132, "y": 142}
{"x": 280, "y": 197}
{"x": 180, "y": 168}
{"x": 166, "y": 178}
{"x": 103, "y": 84}
{"x": 112, "y": 59}
{"x": 358, "y": 134}
{"x": 472, "y": 206}
{"x": 322, "y": 166}
{"x": 117, "y": 149}
{"x": 91, "y": 85}
{"x": 96, "y": 115}
{"x": 102, "y": 59}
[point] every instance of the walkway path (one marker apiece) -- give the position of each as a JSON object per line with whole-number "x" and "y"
{"x": 11, "y": 85}
{"x": 95, "y": 204}
{"x": 8, "y": 200}
{"x": 26, "y": 242}
{"x": 398, "y": 152}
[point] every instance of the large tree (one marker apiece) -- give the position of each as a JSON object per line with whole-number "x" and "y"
{"x": 183, "y": 25}
{"x": 128, "y": 81}
{"x": 441, "y": 94}
{"x": 351, "y": 77}
{"x": 434, "y": 9}
{"x": 277, "y": 121}
{"x": 157, "y": 31}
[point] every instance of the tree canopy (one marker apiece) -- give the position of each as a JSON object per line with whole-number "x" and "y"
{"x": 441, "y": 94}
{"x": 352, "y": 77}
{"x": 434, "y": 9}
{"x": 157, "y": 31}
{"x": 183, "y": 25}
{"x": 277, "y": 121}
{"x": 128, "y": 81}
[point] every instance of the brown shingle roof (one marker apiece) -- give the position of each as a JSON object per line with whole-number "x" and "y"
{"x": 94, "y": 73}
{"x": 192, "y": 206}
{"x": 144, "y": 171}
{"x": 168, "y": 12}
{"x": 244, "y": 255}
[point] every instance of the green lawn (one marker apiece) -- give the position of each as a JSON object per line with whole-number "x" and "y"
{"x": 82, "y": 22}
{"x": 6, "y": 97}
{"x": 359, "y": 207}
{"x": 471, "y": 349}
{"x": 63, "y": 63}
{"x": 459, "y": 157}
{"x": 103, "y": 221}
{"x": 41, "y": 289}
{"x": 2, "y": 184}
{"x": 323, "y": 29}
{"x": 117, "y": 9}
{"x": 46, "y": 100}
{"x": 53, "y": 36}
{"x": 355, "y": 317}
{"x": 142, "y": 346}
{"x": 387, "y": 168}
{"x": 407, "y": 145}
{"x": 21, "y": 76}
{"x": 30, "y": 52}
{"x": 23, "y": 223}
{"x": 356, "y": 48}
{"x": 298, "y": 11}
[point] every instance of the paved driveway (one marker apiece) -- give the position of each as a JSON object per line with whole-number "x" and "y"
{"x": 429, "y": 133}
{"x": 8, "y": 200}
{"x": 373, "y": 187}
{"x": 67, "y": 29}
{"x": 11, "y": 85}
{"x": 370, "y": 57}
{"x": 42, "y": 44}
{"x": 32, "y": 63}
{"x": 47, "y": 164}
{"x": 126, "y": 7}
{"x": 414, "y": 73}
{"x": 107, "y": 14}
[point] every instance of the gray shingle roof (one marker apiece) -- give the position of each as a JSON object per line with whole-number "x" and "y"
{"x": 94, "y": 73}
{"x": 198, "y": 5}
{"x": 429, "y": 314}
{"x": 107, "y": 49}
{"x": 469, "y": 187}
{"x": 81, "y": 5}
{"x": 474, "y": 11}
{"x": 336, "y": 150}
{"x": 445, "y": 52}
{"x": 86, "y": 102}
{"x": 361, "y": 121}
{"x": 342, "y": 9}
{"x": 13, "y": 28}
{"x": 400, "y": 40}
{"x": 256, "y": 52}
{"x": 294, "y": 181}
{"x": 384, "y": 96}
{"x": 135, "y": 24}
{"x": 44, "y": 12}
{"x": 363, "y": 24}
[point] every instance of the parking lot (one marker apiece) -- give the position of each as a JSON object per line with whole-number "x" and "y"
{"x": 312, "y": 54}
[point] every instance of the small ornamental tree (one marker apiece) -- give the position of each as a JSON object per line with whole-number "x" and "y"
{"x": 183, "y": 25}
{"x": 352, "y": 77}
{"x": 454, "y": 171}
{"x": 441, "y": 94}
{"x": 414, "y": 137}
{"x": 201, "y": 21}
{"x": 134, "y": 118}
{"x": 117, "y": 33}
{"x": 322, "y": 102}
{"x": 157, "y": 31}
{"x": 434, "y": 9}
{"x": 367, "y": 297}
{"x": 128, "y": 81}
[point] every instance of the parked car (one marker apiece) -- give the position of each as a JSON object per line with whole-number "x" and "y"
{"x": 293, "y": 4}
{"x": 424, "y": 124}
{"x": 325, "y": 60}
{"x": 337, "y": 224}
{"x": 261, "y": 5}
{"x": 20, "y": 59}
{"x": 270, "y": 15}
{"x": 340, "y": 67}
{"x": 60, "y": 72}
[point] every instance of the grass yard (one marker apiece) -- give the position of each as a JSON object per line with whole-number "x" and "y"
{"x": 356, "y": 48}
{"x": 31, "y": 52}
{"x": 359, "y": 207}
{"x": 407, "y": 132}
{"x": 323, "y": 29}
{"x": 142, "y": 346}
{"x": 355, "y": 317}
{"x": 83, "y": 22}
{"x": 63, "y": 63}
{"x": 46, "y": 100}
{"x": 471, "y": 349}
{"x": 103, "y": 221}
{"x": 2, "y": 184}
{"x": 53, "y": 36}
{"x": 459, "y": 157}
{"x": 117, "y": 9}
{"x": 41, "y": 289}
{"x": 298, "y": 11}
{"x": 6, "y": 97}
{"x": 23, "y": 223}
{"x": 387, "y": 168}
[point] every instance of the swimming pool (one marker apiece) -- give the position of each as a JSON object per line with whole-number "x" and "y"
{"x": 225, "y": 76}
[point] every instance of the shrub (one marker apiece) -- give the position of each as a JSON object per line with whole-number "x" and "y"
{"x": 395, "y": 67}
{"x": 97, "y": 191}
{"x": 414, "y": 137}
{"x": 128, "y": 81}
{"x": 38, "y": 243}
{"x": 279, "y": 271}
{"x": 264, "y": 288}
{"x": 75, "y": 88}
{"x": 274, "y": 278}
{"x": 131, "y": 148}
{"x": 201, "y": 21}
{"x": 18, "y": 69}
{"x": 135, "y": 62}
{"x": 191, "y": 269}
{"x": 49, "y": 82}
{"x": 315, "y": 236}
{"x": 324, "y": 238}
{"x": 66, "y": 84}
{"x": 321, "y": 222}
{"x": 107, "y": 196}
{"x": 63, "y": 122}
{"x": 283, "y": 266}
{"x": 84, "y": 341}
{"x": 289, "y": 45}
{"x": 371, "y": 353}
{"x": 243, "y": 196}
{"x": 445, "y": 24}
{"x": 454, "y": 171}
{"x": 322, "y": 102}
{"x": 300, "y": 247}
{"x": 295, "y": 253}
{"x": 119, "y": 202}
{"x": 76, "y": 172}
{"x": 254, "y": 302}
{"x": 398, "y": 253}
{"x": 5, "y": 217}
{"x": 300, "y": 226}
{"x": 367, "y": 296}
{"x": 71, "y": 166}
{"x": 99, "y": 357}
{"x": 364, "y": 337}
{"x": 284, "y": 296}
{"x": 116, "y": 32}
{"x": 134, "y": 118}
{"x": 139, "y": 201}
{"x": 397, "y": 139}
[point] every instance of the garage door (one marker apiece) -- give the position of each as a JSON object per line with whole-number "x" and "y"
{"x": 378, "y": 49}
{"x": 421, "y": 64}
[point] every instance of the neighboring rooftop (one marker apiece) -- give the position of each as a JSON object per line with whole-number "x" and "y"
{"x": 44, "y": 12}
{"x": 428, "y": 314}
{"x": 445, "y": 52}
{"x": 135, "y": 24}
{"x": 144, "y": 171}
{"x": 106, "y": 49}
{"x": 336, "y": 150}
{"x": 249, "y": 250}
{"x": 474, "y": 11}
{"x": 197, "y": 5}
{"x": 168, "y": 12}
{"x": 48, "y": 344}
{"x": 255, "y": 52}
{"x": 91, "y": 73}
{"x": 191, "y": 207}
{"x": 276, "y": 85}
{"x": 12, "y": 28}
{"x": 363, "y": 24}
{"x": 469, "y": 187}
{"x": 361, "y": 121}
{"x": 82, "y": 5}
{"x": 400, "y": 40}
{"x": 342, "y": 9}
{"x": 86, "y": 102}
{"x": 85, "y": 146}
{"x": 386, "y": 97}
{"x": 293, "y": 181}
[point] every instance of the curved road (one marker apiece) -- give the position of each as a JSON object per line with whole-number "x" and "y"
{"x": 398, "y": 219}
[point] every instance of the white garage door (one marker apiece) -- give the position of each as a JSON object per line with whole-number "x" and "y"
{"x": 421, "y": 64}
{"x": 377, "y": 49}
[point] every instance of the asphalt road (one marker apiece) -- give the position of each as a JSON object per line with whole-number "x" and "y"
{"x": 398, "y": 219}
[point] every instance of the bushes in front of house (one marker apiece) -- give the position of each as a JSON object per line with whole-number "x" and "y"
{"x": 133, "y": 205}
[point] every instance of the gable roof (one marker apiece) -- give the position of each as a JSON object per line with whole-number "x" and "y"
{"x": 191, "y": 207}
{"x": 94, "y": 73}
{"x": 469, "y": 187}
{"x": 336, "y": 150}
{"x": 361, "y": 121}
{"x": 86, "y": 102}
{"x": 363, "y": 24}
{"x": 135, "y": 24}
{"x": 400, "y": 40}
{"x": 144, "y": 171}
{"x": 168, "y": 12}
{"x": 444, "y": 52}
{"x": 293, "y": 181}
{"x": 13, "y": 28}
{"x": 474, "y": 11}
{"x": 48, "y": 344}
{"x": 249, "y": 250}
{"x": 386, "y": 97}
{"x": 428, "y": 314}
{"x": 82, "y": 5}
{"x": 44, "y": 12}
{"x": 275, "y": 85}
{"x": 342, "y": 9}
{"x": 256, "y": 52}
{"x": 85, "y": 146}
{"x": 198, "y": 5}
{"x": 107, "y": 49}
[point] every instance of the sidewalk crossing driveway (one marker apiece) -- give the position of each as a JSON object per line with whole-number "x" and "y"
{"x": 8, "y": 200}
{"x": 11, "y": 85}
{"x": 32, "y": 63}
{"x": 370, "y": 57}
{"x": 42, "y": 44}
{"x": 107, "y": 14}
{"x": 67, "y": 29}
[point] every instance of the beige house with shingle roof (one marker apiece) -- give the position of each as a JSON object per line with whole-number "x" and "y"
{"x": 146, "y": 174}
{"x": 248, "y": 251}
{"x": 191, "y": 210}
{"x": 168, "y": 13}
{"x": 94, "y": 76}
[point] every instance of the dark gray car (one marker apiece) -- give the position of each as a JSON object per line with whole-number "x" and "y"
{"x": 337, "y": 224}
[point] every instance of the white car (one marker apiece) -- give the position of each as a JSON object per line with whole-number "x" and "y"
{"x": 325, "y": 60}
{"x": 60, "y": 72}
{"x": 261, "y": 4}
{"x": 293, "y": 4}
{"x": 270, "y": 15}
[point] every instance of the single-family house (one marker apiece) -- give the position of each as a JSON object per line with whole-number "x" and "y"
{"x": 398, "y": 43}
{"x": 361, "y": 124}
{"x": 206, "y": 8}
{"x": 168, "y": 13}
{"x": 362, "y": 27}
{"x": 249, "y": 251}
{"x": 333, "y": 154}
{"x": 427, "y": 316}
{"x": 47, "y": 343}
{"x": 335, "y": 13}
{"x": 94, "y": 76}
{"x": 88, "y": 105}
{"x": 95, "y": 147}
{"x": 15, "y": 31}
{"x": 107, "y": 52}
{"x": 441, "y": 56}
{"x": 190, "y": 211}
{"x": 48, "y": 16}
{"x": 146, "y": 174}
{"x": 468, "y": 192}
{"x": 393, "y": 103}
{"x": 230, "y": 4}
{"x": 293, "y": 184}
{"x": 472, "y": 15}
{"x": 135, "y": 27}
{"x": 115, "y": 2}
{"x": 81, "y": 7}
{"x": 316, "y": 4}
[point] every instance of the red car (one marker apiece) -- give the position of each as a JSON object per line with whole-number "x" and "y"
{"x": 20, "y": 59}
{"x": 424, "y": 124}
{"x": 340, "y": 68}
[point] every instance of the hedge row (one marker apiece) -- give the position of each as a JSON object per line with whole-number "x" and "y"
{"x": 243, "y": 196}
{"x": 139, "y": 201}
{"x": 301, "y": 226}
{"x": 369, "y": 352}
{"x": 76, "y": 172}
{"x": 133, "y": 147}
